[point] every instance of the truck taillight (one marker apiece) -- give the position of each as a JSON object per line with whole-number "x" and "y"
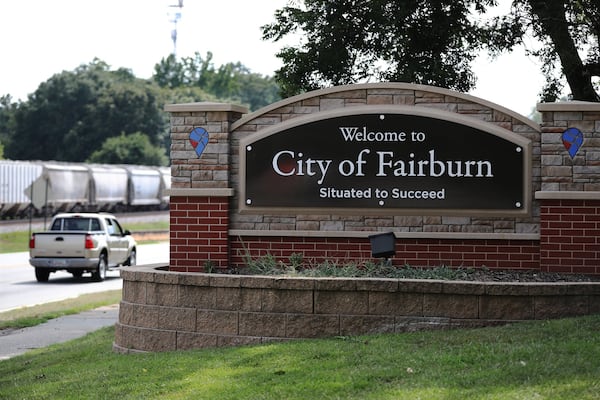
{"x": 89, "y": 243}
{"x": 32, "y": 242}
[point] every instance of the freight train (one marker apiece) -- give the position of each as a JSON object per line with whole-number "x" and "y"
{"x": 35, "y": 188}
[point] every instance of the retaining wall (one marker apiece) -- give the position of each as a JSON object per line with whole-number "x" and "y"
{"x": 164, "y": 310}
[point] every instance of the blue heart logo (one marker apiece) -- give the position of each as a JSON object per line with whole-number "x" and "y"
{"x": 572, "y": 139}
{"x": 199, "y": 139}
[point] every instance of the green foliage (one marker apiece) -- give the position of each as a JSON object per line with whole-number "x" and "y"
{"x": 434, "y": 42}
{"x": 134, "y": 148}
{"x": 298, "y": 266}
{"x": 568, "y": 33}
{"x": 349, "y": 41}
{"x": 7, "y": 108}
{"x": 231, "y": 82}
{"x": 557, "y": 360}
{"x": 209, "y": 266}
{"x": 266, "y": 265}
{"x": 69, "y": 116}
{"x": 74, "y": 113}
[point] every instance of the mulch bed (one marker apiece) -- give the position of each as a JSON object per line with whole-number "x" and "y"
{"x": 491, "y": 275}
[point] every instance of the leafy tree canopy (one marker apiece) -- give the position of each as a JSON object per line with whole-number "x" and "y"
{"x": 432, "y": 41}
{"x": 348, "y": 41}
{"x": 73, "y": 113}
{"x": 135, "y": 148}
{"x": 69, "y": 116}
{"x": 231, "y": 82}
{"x": 7, "y": 108}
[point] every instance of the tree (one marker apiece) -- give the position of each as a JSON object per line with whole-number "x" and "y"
{"x": 134, "y": 148}
{"x": 433, "y": 42}
{"x": 569, "y": 33}
{"x": 231, "y": 82}
{"x": 7, "y": 108}
{"x": 347, "y": 41}
{"x": 73, "y": 113}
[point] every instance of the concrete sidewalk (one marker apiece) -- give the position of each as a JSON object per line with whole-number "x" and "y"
{"x": 58, "y": 330}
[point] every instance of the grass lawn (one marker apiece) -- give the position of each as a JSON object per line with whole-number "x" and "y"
{"x": 535, "y": 360}
{"x": 30, "y": 316}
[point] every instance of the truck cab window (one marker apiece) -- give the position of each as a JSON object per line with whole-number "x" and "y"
{"x": 118, "y": 231}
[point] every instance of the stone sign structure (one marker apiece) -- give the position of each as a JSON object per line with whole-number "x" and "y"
{"x": 459, "y": 181}
{"x": 540, "y": 210}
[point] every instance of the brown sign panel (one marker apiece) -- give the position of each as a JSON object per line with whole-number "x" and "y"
{"x": 374, "y": 160}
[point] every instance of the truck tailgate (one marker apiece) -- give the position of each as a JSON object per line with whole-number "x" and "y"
{"x": 59, "y": 244}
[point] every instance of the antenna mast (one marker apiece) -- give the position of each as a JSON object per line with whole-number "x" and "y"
{"x": 174, "y": 17}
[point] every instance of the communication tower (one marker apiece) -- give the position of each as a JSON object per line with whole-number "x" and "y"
{"x": 174, "y": 17}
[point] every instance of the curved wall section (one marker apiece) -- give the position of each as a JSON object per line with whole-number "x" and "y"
{"x": 166, "y": 311}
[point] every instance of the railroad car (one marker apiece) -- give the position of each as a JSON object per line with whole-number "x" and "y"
{"x": 48, "y": 187}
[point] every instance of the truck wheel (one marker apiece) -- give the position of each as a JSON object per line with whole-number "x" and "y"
{"x": 132, "y": 258}
{"x": 100, "y": 273}
{"x": 42, "y": 275}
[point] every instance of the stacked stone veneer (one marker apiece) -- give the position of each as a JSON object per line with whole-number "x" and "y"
{"x": 199, "y": 236}
{"x": 165, "y": 311}
{"x": 561, "y": 232}
{"x": 570, "y": 192}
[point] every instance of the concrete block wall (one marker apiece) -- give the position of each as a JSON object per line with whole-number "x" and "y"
{"x": 166, "y": 311}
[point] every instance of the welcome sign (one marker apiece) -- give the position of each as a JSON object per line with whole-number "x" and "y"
{"x": 367, "y": 159}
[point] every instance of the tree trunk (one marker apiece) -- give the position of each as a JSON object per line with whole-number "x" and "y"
{"x": 552, "y": 19}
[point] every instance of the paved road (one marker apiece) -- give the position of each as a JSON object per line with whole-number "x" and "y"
{"x": 19, "y": 288}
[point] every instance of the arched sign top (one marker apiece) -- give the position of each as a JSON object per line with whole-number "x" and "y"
{"x": 390, "y": 109}
{"x": 386, "y": 159}
{"x": 403, "y": 86}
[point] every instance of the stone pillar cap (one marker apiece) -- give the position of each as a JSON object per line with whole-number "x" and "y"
{"x": 206, "y": 106}
{"x": 569, "y": 106}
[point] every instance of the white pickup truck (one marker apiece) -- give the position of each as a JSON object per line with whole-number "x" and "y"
{"x": 81, "y": 242}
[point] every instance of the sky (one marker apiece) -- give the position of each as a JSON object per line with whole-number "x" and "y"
{"x": 40, "y": 38}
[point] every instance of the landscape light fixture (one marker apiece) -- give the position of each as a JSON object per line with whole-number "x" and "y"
{"x": 383, "y": 245}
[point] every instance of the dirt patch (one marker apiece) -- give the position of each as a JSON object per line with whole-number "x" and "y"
{"x": 491, "y": 275}
{"x": 436, "y": 273}
{"x": 145, "y": 236}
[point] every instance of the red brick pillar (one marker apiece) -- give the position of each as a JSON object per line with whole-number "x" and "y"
{"x": 570, "y": 195}
{"x": 200, "y": 184}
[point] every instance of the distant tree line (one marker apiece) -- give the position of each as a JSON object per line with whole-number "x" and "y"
{"x": 95, "y": 114}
